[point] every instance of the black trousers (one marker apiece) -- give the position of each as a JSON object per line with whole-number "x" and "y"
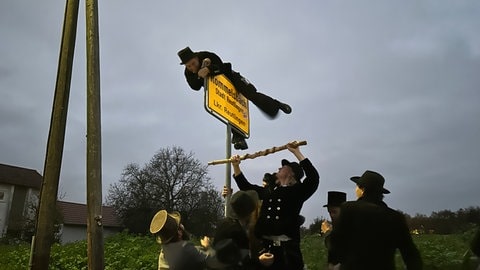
{"x": 266, "y": 104}
{"x": 287, "y": 256}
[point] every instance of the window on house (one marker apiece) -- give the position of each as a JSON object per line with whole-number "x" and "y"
{"x": 2, "y": 195}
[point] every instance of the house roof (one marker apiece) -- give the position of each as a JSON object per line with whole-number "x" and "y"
{"x": 20, "y": 176}
{"x": 76, "y": 214}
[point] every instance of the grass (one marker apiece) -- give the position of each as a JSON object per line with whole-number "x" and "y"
{"x": 124, "y": 251}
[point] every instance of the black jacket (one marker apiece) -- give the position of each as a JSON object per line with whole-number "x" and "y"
{"x": 367, "y": 235}
{"x": 281, "y": 207}
{"x": 230, "y": 228}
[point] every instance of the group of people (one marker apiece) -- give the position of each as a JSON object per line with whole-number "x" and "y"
{"x": 366, "y": 233}
{"x": 263, "y": 229}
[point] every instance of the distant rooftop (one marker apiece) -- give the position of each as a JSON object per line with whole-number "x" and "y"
{"x": 20, "y": 176}
{"x": 76, "y": 214}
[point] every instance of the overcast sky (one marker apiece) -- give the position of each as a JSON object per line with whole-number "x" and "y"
{"x": 390, "y": 86}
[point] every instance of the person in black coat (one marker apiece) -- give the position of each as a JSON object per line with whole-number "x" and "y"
{"x": 368, "y": 232}
{"x": 199, "y": 65}
{"x": 278, "y": 224}
{"x": 234, "y": 240}
{"x": 334, "y": 200}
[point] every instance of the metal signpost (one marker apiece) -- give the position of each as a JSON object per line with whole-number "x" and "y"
{"x": 224, "y": 102}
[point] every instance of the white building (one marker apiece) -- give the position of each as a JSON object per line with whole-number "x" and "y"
{"x": 19, "y": 189}
{"x": 74, "y": 221}
{"x": 19, "y": 193}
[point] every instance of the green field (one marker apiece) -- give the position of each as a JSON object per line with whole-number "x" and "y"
{"x": 135, "y": 252}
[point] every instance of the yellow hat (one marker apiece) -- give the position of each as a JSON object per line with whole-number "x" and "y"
{"x": 165, "y": 225}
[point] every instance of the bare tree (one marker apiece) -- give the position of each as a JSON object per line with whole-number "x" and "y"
{"x": 171, "y": 180}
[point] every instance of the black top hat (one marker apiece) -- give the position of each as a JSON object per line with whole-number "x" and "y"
{"x": 335, "y": 198}
{"x": 296, "y": 168}
{"x": 244, "y": 203}
{"x": 371, "y": 180}
{"x": 185, "y": 55}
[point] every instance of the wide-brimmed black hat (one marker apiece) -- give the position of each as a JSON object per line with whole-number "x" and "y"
{"x": 371, "y": 180}
{"x": 243, "y": 203}
{"x": 185, "y": 55}
{"x": 335, "y": 198}
{"x": 296, "y": 168}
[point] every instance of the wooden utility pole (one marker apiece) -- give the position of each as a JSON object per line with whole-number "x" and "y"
{"x": 44, "y": 229}
{"x": 94, "y": 148}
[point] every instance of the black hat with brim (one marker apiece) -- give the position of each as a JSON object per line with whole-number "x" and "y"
{"x": 371, "y": 180}
{"x": 296, "y": 168}
{"x": 335, "y": 198}
{"x": 185, "y": 55}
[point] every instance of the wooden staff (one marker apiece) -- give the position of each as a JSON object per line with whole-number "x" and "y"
{"x": 260, "y": 153}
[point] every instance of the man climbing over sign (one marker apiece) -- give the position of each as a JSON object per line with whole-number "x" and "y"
{"x": 199, "y": 65}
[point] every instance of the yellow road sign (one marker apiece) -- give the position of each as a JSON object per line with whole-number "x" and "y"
{"x": 224, "y": 102}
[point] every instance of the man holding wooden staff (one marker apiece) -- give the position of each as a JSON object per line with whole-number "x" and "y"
{"x": 277, "y": 225}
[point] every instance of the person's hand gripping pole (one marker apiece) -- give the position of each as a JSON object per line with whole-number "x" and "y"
{"x": 204, "y": 71}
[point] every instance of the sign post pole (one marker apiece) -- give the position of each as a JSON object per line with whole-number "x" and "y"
{"x": 228, "y": 169}
{"x": 224, "y": 102}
